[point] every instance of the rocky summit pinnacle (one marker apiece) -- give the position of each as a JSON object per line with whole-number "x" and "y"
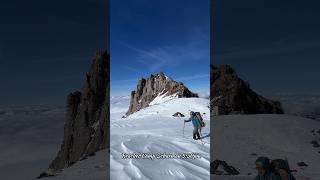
{"x": 232, "y": 95}
{"x": 87, "y": 118}
{"x": 154, "y": 86}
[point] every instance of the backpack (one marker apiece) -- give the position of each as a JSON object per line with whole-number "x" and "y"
{"x": 198, "y": 115}
{"x": 282, "y": 164}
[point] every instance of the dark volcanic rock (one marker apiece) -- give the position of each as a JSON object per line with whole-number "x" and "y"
{"x": 232, "y": 95}
{"x": 315, "y": 144}
{"x": 86, "y": 129}
{"x": 178, "y": 114}
{"x": 44, "y": 174}
{"x": 156, "y": 85}
{"x": 301, "y": 164}
{"x": 227, "y": 169}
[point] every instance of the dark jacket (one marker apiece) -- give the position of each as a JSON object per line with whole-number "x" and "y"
{"x": 281, "y": 164}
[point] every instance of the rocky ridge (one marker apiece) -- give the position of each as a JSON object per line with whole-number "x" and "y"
{"x": 232, "y": 95}
{"x": 155, "y": 86}
{"x": 86, "y": 128}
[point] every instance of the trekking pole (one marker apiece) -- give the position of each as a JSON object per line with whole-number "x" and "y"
{"x": 201, "y": 137}
{"x": 184, "y": 123}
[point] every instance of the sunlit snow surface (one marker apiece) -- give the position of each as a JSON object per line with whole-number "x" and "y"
{"x": 155, "y": 130}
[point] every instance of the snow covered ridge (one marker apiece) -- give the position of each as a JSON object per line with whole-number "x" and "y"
{"x": 167, "y": 106}
{"x": 163, "y": 98}
{"x": 153, "y": 130}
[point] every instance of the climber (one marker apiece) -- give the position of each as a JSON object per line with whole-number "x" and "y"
{"x": 202, "y": 124}
{"x": 281, "y": 167}
{"x": 196, "y": 125}
{"x": 263, "y": 169}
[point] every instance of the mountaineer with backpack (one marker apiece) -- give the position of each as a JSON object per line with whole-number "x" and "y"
{"x": 281, "y": 167}
{"x": 196, "y": 122}
{"x": 277, "y": 169}
{"x": 264, "y": 171}
{"x": 202, "y": 124}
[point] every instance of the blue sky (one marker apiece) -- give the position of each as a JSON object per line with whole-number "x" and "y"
{"x": 46, "y": 47}
{"x": 152, "y": 36}
{"x": 275, "y": 45}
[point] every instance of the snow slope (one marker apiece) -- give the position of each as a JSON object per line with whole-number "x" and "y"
{"x": 92, "y": 168}
{"x": 238, "y": 137}
{"x": 162, "y": 98}
{"x": 155, "y": 130}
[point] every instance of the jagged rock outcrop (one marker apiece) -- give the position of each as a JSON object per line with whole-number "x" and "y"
{"x": 86, "y": 129}
{"x": 178, "y": 114}
{"x": 227, "y": 169}
{"x": 232, "y": 95}
{"x": 156, "y": 85}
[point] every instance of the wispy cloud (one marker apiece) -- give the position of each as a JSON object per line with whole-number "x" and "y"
{"x": 124, "y": 81}
{"x": 193, "y": 77}
{"x": 171, "y": 55}
{"x": 131, "y": 69}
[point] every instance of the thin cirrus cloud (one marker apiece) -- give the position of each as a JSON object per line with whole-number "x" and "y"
{"x": 193, "y": 77}
{"x": 124, "y": 81}
{"x": 171, "y": 55}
